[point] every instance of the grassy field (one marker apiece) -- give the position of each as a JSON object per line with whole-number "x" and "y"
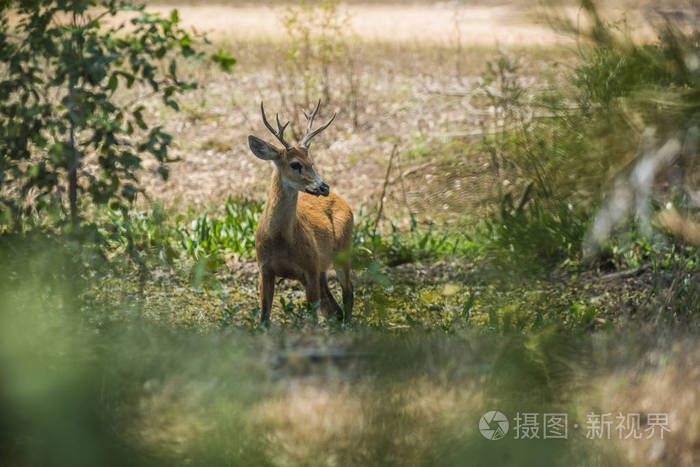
{"x": 472, "y": 288}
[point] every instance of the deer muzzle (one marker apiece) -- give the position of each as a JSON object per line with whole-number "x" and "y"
{"x": 322, "y": 189}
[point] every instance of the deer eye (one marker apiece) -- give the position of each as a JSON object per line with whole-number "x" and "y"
{"x": 296, "y": 166}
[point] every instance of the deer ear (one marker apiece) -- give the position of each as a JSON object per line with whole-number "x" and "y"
{"x": 263, "y": 150}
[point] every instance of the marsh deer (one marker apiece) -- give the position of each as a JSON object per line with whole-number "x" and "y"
{"x": 304, "y": 227}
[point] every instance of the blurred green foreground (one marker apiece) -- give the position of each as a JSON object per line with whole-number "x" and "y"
{"x": 131, "y": 392}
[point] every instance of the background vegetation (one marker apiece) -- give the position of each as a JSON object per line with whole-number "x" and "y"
{"x": 526, "y": 240}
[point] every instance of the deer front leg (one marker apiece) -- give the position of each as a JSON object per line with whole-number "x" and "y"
{"x": 267, "y": 290}
{"x": 313, "y": 289}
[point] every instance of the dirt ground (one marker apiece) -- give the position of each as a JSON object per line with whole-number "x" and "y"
{"x": 417, "y": 68}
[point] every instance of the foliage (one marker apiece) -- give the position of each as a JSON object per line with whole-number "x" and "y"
{"x": 180, "y": 242}
{"x": 231, "y": 233}
{"x": 650, "y": 93}
{"x": 141, "y": 235}
{"x": 631, "y": 117}
{"x": 533, "y": 237}
{"x": 534, "y": 140}
{"x": 319, "y": 61}
{"x": 75, "y": 384}
{"x": 659, "y": 78}
{"x": 131, "y": 392}
{"x": 140, "y": 367}
{"x": 674, "y": 269}
{"x": 64, "y": 136}
{"x": 401, "y": 247}
{"x": 485, "y": 278}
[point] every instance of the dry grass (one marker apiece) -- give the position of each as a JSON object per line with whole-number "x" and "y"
{"x": 655, "y": 385}
{"x": 404, "y": 101}
{"x": 484, "y": 25}
{"x": 324, "y": 414}
{"x": 416, "y": 66}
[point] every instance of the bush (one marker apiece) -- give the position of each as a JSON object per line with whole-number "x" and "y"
{"x": 533, "y": 238}
{"x": 63, "y": 134}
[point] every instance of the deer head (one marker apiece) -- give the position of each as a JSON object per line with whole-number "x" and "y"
{"x": 294, "y": 164}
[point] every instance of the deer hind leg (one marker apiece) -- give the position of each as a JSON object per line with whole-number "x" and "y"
{"x": 329, "y": 304}
{"x": 267, "y": 290}
{"x": 343, "y": 270}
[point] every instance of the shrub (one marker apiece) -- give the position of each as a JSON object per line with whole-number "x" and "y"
{"x": 64, "y": 137}
{"x": 533, "y": 238}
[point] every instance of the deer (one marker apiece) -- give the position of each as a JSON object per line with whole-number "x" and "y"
{"x": 304, "y": 226}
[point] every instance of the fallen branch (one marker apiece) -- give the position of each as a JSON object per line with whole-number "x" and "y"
{"x": 625, "y": 274}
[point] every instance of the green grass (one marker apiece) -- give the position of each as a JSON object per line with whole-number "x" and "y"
{"x": 515, "y": 272}
{"x": 399, "y": 247}
{"x": 229, "y": 230}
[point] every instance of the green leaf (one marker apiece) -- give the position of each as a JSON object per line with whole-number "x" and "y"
{"x": 113, "y": 82}
{"x": 224, "y": 59}
{"x": 163, "y": 171}
{"x": 173, "y": 104}
{"x": 138, "y": 117}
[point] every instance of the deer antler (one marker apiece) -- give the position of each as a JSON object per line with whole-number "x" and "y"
{"x": 310, "y": 134}
{"x": 279, "y": 134}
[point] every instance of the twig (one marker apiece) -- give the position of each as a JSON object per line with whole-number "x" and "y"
{"x": 626, "y": 274}
{"x": 381, "y": 199}
{"x": 403, "y": 186}
{"x": 411, "y": 171}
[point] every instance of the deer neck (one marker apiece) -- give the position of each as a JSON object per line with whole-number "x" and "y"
{"x": 281, "y": 207}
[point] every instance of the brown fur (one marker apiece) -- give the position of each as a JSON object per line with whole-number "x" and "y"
{"x": 300, "y": 235}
